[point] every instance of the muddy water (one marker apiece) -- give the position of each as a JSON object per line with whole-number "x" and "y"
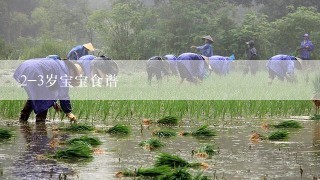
{"x": 238, "y": 158}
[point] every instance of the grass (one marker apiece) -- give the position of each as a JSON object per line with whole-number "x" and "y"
{"x": 119, "y": 129}
{"x": 5, "y": 134}
{"x": 278, "y": 135}
{"x": 76, "y": 151}
{"x": 168, "y": 120}
{"x": 78, "y": 128}
{"x": 164, "y": 133}
{"x": 288, "y": 124}
{"x": 152, "y": 144}
{"x": 90, "y": 140}
{"x": 203, "y": 131}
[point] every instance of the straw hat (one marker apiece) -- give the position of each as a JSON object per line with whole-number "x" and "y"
{"x": 74, "y": 71}
{"x": 208, "y": 38}
{"x": 89, "y": 46}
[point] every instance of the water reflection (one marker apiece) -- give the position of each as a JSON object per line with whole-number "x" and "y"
{"x": 32, "y": 164}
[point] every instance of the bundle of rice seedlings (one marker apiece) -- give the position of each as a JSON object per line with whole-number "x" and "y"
{"x": 205, "y": 151}
{"x": 164, "y": 133}
{"x": 203, "y": 131}
{"x": 119, "y": 129}
{"x": 200, "y": 176}
{"x": 90, "y": 140}
{"x": 77, "y": 151}
{"x": 145, "y": 172}
{"x": 151, "y": 144}
{"x": 180, "y": 173}
{"x": 5, "y": 134}
{"x": 78, "y": 128}
{"x": 165, "y": 159}
{"x": 279, "y": 135}
{"x": 288, "y": 124}
{"x": 168, "y": 120}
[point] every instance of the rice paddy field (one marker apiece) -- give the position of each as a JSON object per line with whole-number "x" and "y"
{"x": 211, "y": 136}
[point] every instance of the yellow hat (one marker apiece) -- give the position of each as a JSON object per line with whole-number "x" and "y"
{"x": 89, "y": 46}
{"x": 208, "y": 38}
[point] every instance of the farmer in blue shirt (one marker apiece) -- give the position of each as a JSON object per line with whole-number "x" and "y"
{"x": 206, "y": 49}
{"x": 79, "y": 51}
{"x": 220, "y": 64}
{"x": 306, "y": 47}
{"x": 283, "y": 66}
{"x": 33, "y": 75}
{"x": 85, "y": 62}
{"x": 172, "y": 59}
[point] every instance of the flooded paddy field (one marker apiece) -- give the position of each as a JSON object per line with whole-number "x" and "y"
{"x": 237, "y": 157}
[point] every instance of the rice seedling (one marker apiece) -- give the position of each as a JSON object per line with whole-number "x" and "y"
{"x": 168, "y": 120}
{"x": 288, "y": 124}
{"x": 90, "y": 140}
{"x": 76, "y": 151}
{"x": 145, "y": 172}
{"x": 165, "y": 159}
{"x": 78, "y": 128}
{"x": 180, "y": 173}
{"x": 205, "y": 151}
{"x": 278, "y": 135}
{"x": 151, "y": 144}
{"x": 5, "y": 134}
{"x": 204, "y": 131}
{"x": 164, "y": 133}
{"x": 119, "y": 129}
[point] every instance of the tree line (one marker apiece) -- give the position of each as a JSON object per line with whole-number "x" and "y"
{"x": 133, "y": 29}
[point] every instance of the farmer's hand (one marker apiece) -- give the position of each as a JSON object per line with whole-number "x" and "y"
{"x": 57, "y": 107}
{"x": 193, "y": 47}
{"x": 71, "y": 117}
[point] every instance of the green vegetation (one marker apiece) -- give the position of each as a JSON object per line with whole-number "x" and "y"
{"x": 168, "y": 120}
{"x": 119, "y": 129}
{"x": 207, "y": 149}
{"x": 180, "y": 173}
{"x": 164, "y": 133}
{"x": 288, "y": 124}
{"x": 152, "y": 144}
{"x": 166, "y": 159}
{"x": 5, "y": 134}
{"x": 203, "y": 131}
{"x": 76, "y": 151}
{"x": 278, "y": 135}
{"x": 90, "y": 140}
{"x": 78, "y": 128}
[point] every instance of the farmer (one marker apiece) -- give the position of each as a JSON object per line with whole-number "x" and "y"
{"x": 85, "y": 62}
{"x": 306, "y": 47}
{"x": 220, "y": 64}
{"x": 251, "y": 63}
{"x": 206, "y": 49}
{"x": 46, "y": 81}
{"x": 104, "y": 66}
{"x": 172, "y": 59}
{"x": 192, "y": 67}
{"x": 283, "y": 66}
{"x": 54, "y": 57}
{"x": 158, "y": 67}
{"x": 79, "y": 51}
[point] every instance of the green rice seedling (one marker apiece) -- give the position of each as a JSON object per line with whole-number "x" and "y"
{"x": 206, "y": 149}
{"x": 288, "y": 124}
{"x": 165, "y": 159}
{"x": 315, "y": 117}
{"x": 168, "y": 120}
{"x": 78, "y": 128}
{"x": 119, "y": 129}
{"x": 278, "y": 135}
{"x": 164, "y": 133}
{"x": 203, "y": 131}
{"x": 5, "y": 134}
{"x": 77, "y": 151}
{"x": 200, "y": 176}
{"x": 153, "y": 171}
{"x": 180, "y": 173}
{"x": 90, "y": 140}
{"x": 151, "y": 144}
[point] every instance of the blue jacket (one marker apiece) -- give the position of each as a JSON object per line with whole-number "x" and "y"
{"x": 193, "y": 63}
{"x": 41, "y": 93}
{"x": 206, "y": 50}
{"x": 220, "y": 64}
{"x": 85, "y": 62}
{"x": 77, "y": 52}
{"x": 281, "y": 64}
{"x": 305, "y": 52}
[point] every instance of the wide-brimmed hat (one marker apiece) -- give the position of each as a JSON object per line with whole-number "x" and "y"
{"x": 298, "y": 63}
{"x": 74, "y": 70}
{"x": 89, "y": 46}
{"x": 208, "y": 38}
{"x": 306, "y": 35}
